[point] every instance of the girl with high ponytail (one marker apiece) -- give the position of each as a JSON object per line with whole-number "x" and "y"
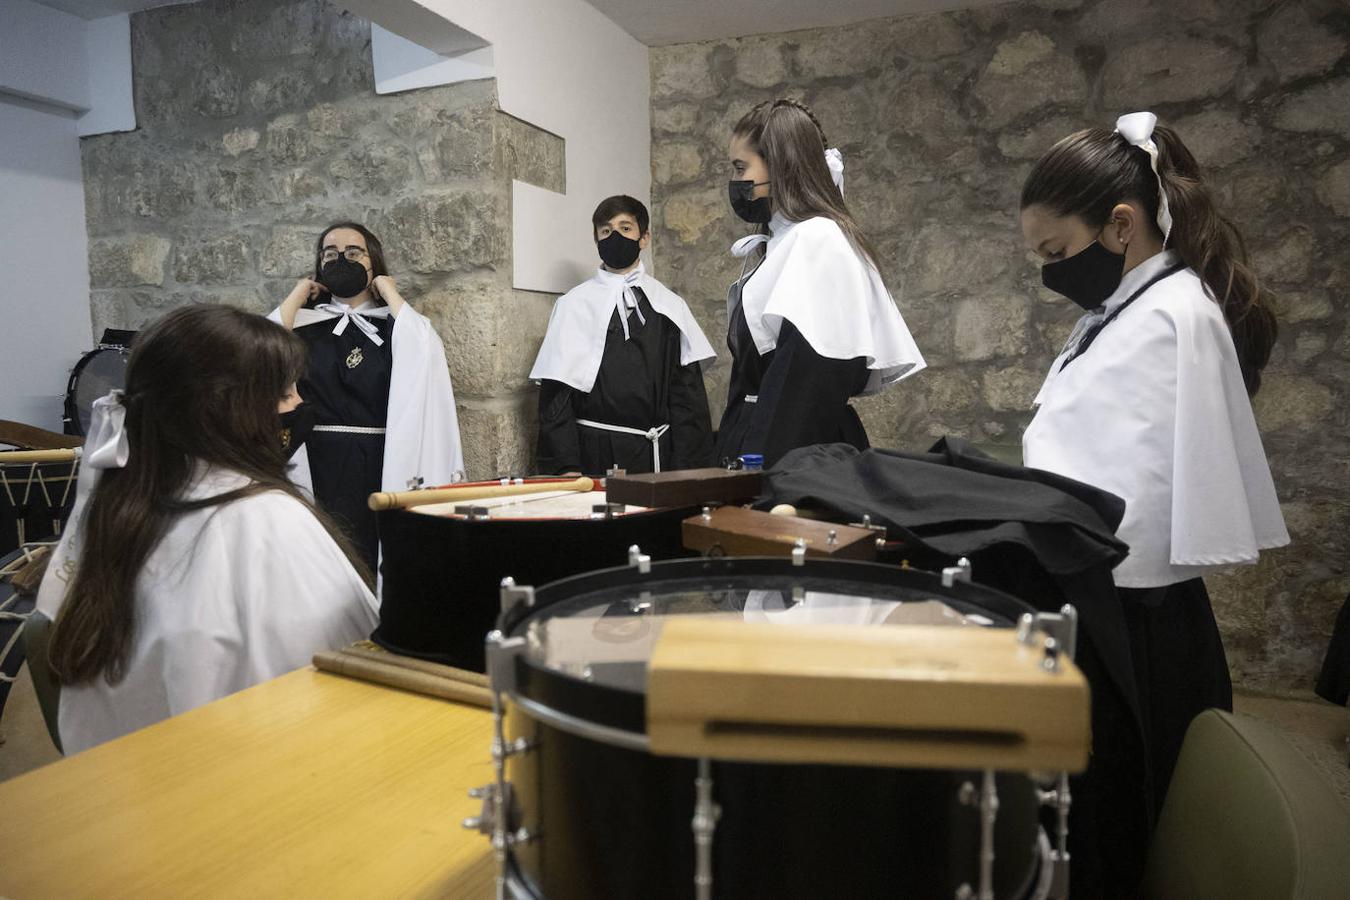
{"x": 811, "y": 322}
{"x": 1150, "y": 397}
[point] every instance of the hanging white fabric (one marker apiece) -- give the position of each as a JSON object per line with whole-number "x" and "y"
{"x": 1137, "y": 128}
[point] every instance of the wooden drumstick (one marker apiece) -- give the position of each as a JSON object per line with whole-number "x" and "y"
{"x": 14, "y": 457}
{"x": 404, "y": 499}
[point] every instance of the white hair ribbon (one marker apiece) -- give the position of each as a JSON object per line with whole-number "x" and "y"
{"x": 106, "y": 446}
{"x": 747, "y": 244}
{"x": 834, "y": 160}
{"x": 1137, "y": 128}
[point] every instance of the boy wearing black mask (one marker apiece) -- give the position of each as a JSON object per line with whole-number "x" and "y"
{"x": 618, "y": 372}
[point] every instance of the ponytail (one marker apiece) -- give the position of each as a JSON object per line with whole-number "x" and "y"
{"x": 1212, "y": 246}
{"x": 1087, "y": 173}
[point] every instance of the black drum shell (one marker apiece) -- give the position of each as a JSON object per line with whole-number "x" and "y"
{"x": 615, "y": 822}
{"x": 106, "y": 366}
{"x": 442, "y": 575}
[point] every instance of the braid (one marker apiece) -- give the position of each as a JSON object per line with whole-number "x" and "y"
{"x": 797, "y": 104}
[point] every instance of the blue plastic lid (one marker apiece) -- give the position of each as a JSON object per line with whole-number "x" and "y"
{"x": 752, "y": 460}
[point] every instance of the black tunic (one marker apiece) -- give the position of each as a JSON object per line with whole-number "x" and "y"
{"x": 347, "y": 383}
{"x": 640, "y": 384}
{"x": 800, "y": 397}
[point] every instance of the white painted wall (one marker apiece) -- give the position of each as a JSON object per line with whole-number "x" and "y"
{"x": 564, "y": 67}
{"x": 42, "y": 54}
{"x": 107, "y": 53}
{"x": 44, "y": 255}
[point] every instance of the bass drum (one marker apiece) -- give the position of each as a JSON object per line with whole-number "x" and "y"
{"x": 594, "y": 815}
{"x": 98, "y": 372}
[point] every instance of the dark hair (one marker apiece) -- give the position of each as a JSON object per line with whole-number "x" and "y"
{"x": 202, "y": 386}
{"x": 374, "y": 248}
{"x": 789, "y": 138}
{"x": 1087, "y": 173}
{"x": 617, "y": 206}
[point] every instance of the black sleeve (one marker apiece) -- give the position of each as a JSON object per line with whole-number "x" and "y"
{"x": 690, "y": 424}
{"x": 559, "y": 449}
{"x": 801, "y": 398}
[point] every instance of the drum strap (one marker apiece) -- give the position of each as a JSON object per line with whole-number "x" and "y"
{"x": 652, "y": 434}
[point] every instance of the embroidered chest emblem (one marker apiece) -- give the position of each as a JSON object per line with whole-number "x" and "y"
{"x": 354, "y": 358}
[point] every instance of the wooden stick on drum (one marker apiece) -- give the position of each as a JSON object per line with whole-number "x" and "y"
{"x": 382, "y": 500}
{"x": 16, "y": 457}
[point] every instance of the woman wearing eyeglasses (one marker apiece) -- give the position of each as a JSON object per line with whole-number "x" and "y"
{"x": 379, "y": 408}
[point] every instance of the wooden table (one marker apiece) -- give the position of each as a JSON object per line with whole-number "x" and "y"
{"x": 308, "y": 785}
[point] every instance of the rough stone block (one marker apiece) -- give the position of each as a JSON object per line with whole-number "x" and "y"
{"x": 239, "y": 140}
{"x": 1031, "y": 141}
{"x": 499, "y": 435}
{"x": 1287, "y": 258}
{"x": 374, "y": 169}
{"x": 525, "y": 152}
{"x": 690, "y": 212}
{"x": 235, "y": 190}
{"x": 926, "y": 37}
{"x": 988, "y": 327}
{"x": 215, "y": 91}
{"x": 492, "y": 335}
{"x": 1297, "y": 44}
{"x": 682, "y": 70}
{"x": 290, "y": 140}
{"x": 677, "y": 118}
{"x": 1167, "y": 69}
{"x": 759, "y": 62}
{"x": 675, "y": 162}
{"x": 1334, "y": 188}
{"x": 1218, "y": 137}
{"x": 1029, "y": 58}
{"x": 1011, "y": 389}
{"x": 219, "y": 259}
{"x": 451, "y": 231}
{"x": 1287, "y": 400}
{"x": 137, "y": 259}
{"x": 289, "y": 252}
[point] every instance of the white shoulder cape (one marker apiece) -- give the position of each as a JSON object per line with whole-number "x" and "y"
{"x": 422, "y": 428}
{"x": 233, "y": 595}
{"x": 575, "y": 340}
{"x": 1156, "y": 412}
{"x": 813, "y": 277}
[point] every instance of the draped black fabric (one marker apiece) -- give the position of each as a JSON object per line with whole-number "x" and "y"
{"x": 640, "y": 384}
{"x": 1046, "y": 539}
{"x": 347, "y": 383}
{"x": 1334, "y": 682}
{"x": 799, "y": 396}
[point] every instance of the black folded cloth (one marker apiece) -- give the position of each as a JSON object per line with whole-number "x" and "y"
{"x": 1334, "y": 682}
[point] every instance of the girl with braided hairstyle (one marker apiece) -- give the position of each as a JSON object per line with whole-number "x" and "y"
{"x": 811, "y": 325}
{"x": 1150, "y": 398}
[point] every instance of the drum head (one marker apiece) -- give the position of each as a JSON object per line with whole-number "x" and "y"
{"x": 587, "y": 648}
{"x": 97, "y": 373}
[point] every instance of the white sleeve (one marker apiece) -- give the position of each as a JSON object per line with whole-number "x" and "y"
{"x": 422, "y": 437}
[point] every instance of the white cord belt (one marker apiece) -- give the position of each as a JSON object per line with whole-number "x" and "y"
{"x": 652, "y": 434}
{"x": 349, "y": 429}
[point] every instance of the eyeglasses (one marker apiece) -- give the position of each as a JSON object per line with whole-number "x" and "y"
{"x": 352, "y": 253}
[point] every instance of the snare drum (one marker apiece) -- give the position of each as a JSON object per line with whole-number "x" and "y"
{"x": 591, "y": 813}
{"x": 99, "y": 371}
{"x": 443, "y": 564}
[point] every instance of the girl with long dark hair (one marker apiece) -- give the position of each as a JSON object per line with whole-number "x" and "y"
{"x": 192, "y": 567}
{"x": 811, "y": 325}
{"x": 380, "y": 409}
{"x": 1150, "y": 398}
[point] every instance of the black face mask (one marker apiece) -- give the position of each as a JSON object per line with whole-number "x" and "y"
{"x": 296, "y": 426}
{"x": 343, "y": 277}
{"x": 756, "y": 212}
{"x": 1088, "y": 277}
{"x": 618, "y": 251}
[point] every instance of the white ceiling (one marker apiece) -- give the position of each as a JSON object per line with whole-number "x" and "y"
{"x": 657, "y": 22}
{"x": 97, "y": 9}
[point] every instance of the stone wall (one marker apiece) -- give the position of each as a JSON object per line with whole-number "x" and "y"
{"x": 940, "y": 117}
{"x": 258, "y": 125}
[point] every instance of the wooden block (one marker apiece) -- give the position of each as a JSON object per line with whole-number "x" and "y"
{"x": 687, "y": 487}
{"x": 738, "y": 531}
{"x": 912, "y": 696}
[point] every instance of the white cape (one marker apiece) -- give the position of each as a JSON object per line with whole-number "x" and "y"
{"x": 232, "y": 596}
{"x": 813, "y": 277}
{"x": 422, "y": 429}
{"x": 1155, "y": 411}
{"x": 575, "y": 340}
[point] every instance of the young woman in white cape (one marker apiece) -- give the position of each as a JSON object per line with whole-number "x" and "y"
{"x": 191, "y": 566}
{"x": 619, "y": 372}
{"x": 1150, "y": 398}
{"x": 811, "y": 325}
{"x": 379, "y": 408}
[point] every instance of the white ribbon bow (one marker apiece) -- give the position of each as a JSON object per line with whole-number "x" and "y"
{"x": 628, "y": 300}
{"x": 346, "y": 314}
{"x": 106, "y": 445}
{"x": 1137, "y": 129}
{"x": 834, "y": 160}
{"x": 745, "y": 245}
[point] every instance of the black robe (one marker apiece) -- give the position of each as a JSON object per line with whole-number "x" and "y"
{"x": 640, "y": 384}
{"x": 799, "y": 396}
{"x": 347, "y": 383}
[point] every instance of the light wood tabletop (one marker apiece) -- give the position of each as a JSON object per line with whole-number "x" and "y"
{"x": 308, "y": 785}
